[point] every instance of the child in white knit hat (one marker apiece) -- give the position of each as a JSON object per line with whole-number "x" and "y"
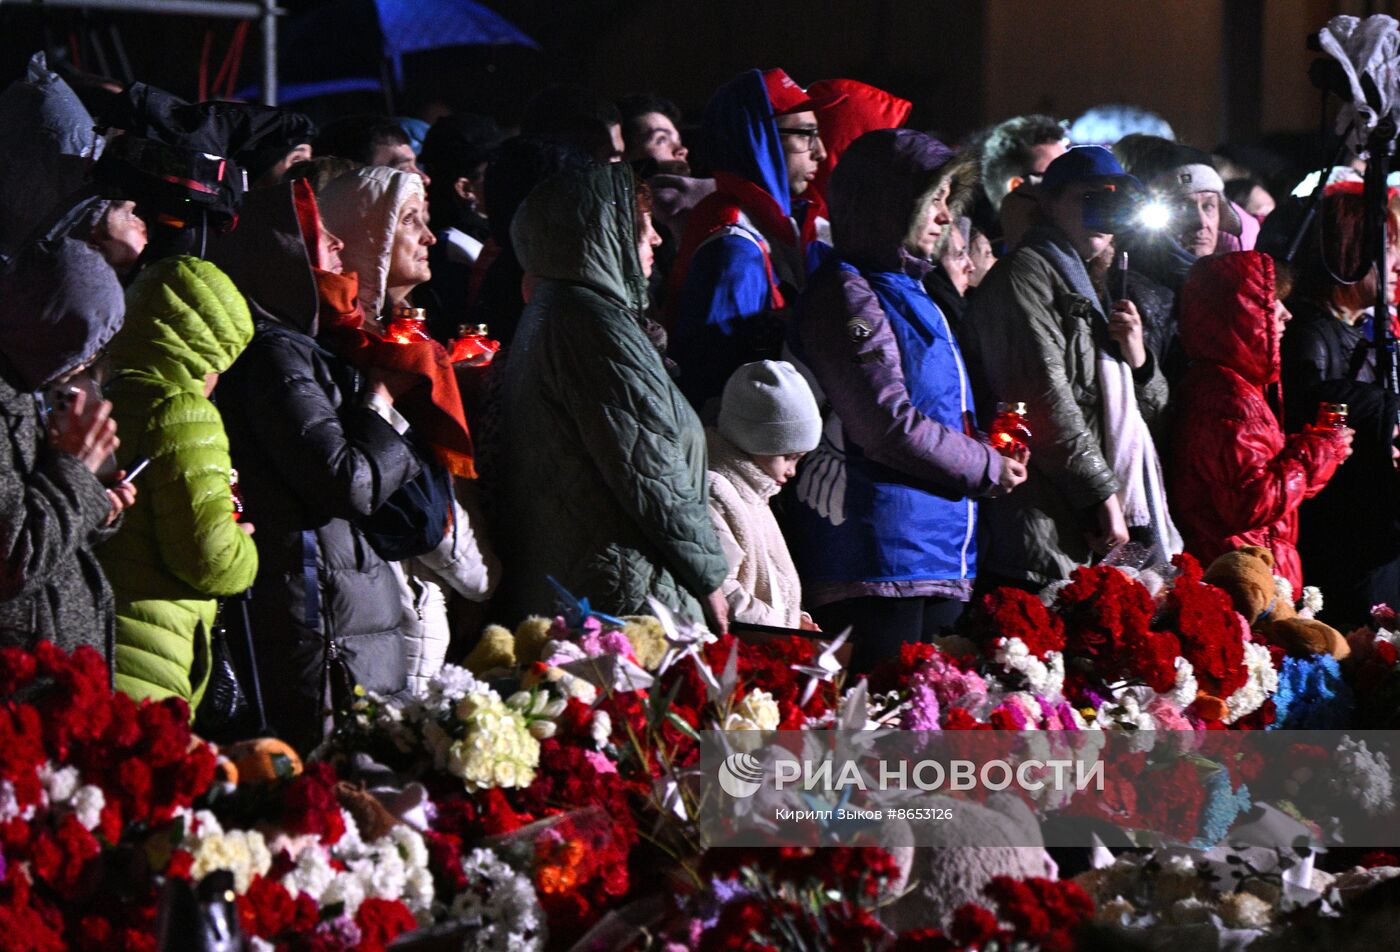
{"x": 768, "y": 420}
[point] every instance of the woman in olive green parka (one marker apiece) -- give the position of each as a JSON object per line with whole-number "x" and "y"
{"x": 179, "y": 549}
{"x": 603, "y": 461}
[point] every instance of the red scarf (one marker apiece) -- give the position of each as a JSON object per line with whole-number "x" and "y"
{"x": 434, "y": 411}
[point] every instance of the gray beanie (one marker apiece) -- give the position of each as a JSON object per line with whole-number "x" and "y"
{"x": 768, "y": 410}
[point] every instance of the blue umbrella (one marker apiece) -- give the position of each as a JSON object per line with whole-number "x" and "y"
{"x": 320, "y": 42}
{"x": 411, "y": 26}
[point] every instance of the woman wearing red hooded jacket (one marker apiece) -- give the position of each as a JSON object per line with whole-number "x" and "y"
{"x": 1235, "y": 478}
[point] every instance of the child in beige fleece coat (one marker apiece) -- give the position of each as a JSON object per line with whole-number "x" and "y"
{"x": 768, "y": 420}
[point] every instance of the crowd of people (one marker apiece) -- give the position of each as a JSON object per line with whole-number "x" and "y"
{"x": 753, "y": 381}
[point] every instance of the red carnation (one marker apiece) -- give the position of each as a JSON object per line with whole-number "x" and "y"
{"x": 1013, "y": 613}
{"x": 381, "y": 921}
{"x": 310, "y": 805}
{"x": 973, "y": 925}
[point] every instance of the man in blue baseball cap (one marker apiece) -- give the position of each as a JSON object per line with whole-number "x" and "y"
{"x": 1044, "y": 331}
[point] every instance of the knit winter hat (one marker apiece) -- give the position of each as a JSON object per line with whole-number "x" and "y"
{"x": 768, "y": 410}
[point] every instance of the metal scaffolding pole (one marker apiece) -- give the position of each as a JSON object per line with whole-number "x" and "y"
{"x": 269, "y": 38}
{"x": 264, "y": 11}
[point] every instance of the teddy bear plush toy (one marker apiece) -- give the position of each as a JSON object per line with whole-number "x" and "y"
{"x": 1247, "y": 576}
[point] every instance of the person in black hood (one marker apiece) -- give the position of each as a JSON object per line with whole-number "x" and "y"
{"x": 58, "y": 309}
{"x": 455, "y": 153}
{"x": 519, "y": 165}
{"x": 1349, "y": 534}
{"x": 316, "y": 452}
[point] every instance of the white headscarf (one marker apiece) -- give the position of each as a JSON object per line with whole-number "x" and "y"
{"x": 362, "y": 208}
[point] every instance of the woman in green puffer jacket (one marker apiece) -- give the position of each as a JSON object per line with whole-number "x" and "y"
{"x": 179, "y": 549}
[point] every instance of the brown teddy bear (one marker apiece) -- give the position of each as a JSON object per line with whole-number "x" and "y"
{"x": 1247, "y": 576}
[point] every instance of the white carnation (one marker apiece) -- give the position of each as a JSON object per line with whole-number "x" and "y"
{"x": 1312, "y": 602}
{"x": 312, "y": 874}
{"x": 87, "y": 804}
{"x": 600, "y": 729}
{"x": 1046, "y": 678}
{"x": 1262, "y": 683}
{"x": 1186, "y": 688}
{"x": 60, "y": 783}
{"x": 345, "y": 888}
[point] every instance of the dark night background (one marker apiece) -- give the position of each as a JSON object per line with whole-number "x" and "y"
{"x": 1218, "y": 70}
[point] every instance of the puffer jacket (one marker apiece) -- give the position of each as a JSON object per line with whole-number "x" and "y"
{"x": 603, "y": 483}
{"x": 1031, "y": 337}
{"x": 763, "y": 587}
{"x": 59, "y": 307}
{"x": 1234, "y": 479}
{"x": 312, "y": 459}
{"x": 179, "y": 549}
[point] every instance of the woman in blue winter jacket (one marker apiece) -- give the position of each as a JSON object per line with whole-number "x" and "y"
{"x": 884, "y": 530}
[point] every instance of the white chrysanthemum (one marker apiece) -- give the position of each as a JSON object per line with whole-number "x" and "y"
{"x": 600, "y": 729}
{"x": 498, "y": 750}
{"x": 501, "y": 903}
{"x": 1262, "y": 683}
{"x": 1186, "y": 688}
{"x": 451, "y": 684}
{"x": 756, "y": 712}
{"x": 1283, "y": 589}
{"x": 1364, "y": 776}
{"x": 243, "y": 853}
{"x": 87, "y": 804}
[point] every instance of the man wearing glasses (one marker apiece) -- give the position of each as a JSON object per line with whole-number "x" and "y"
{"x": 742, "y": 257}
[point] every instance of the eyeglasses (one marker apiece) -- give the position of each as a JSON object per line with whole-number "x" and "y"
{"x": 809, "y": 138}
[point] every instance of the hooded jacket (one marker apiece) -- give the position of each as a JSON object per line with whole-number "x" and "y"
{"x": 741, "y": 256}
{"x": 178, "y": 549}
{"x": 863, "y": 109}
{"x": 59, "y": 307}
{"x": 1235, "y": 479}
{"x": 312, "y": 459}
{"x": 762, "y": 587}
{"x": 884, "y": 503}
{"x": 603, "y": 461}
{"x": 1032, "y": 335}
{"x": 50, "y": 147}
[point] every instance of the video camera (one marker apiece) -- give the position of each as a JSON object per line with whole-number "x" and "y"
{"x": 1115, "y": 208}
{"x": 179, "y": 161}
